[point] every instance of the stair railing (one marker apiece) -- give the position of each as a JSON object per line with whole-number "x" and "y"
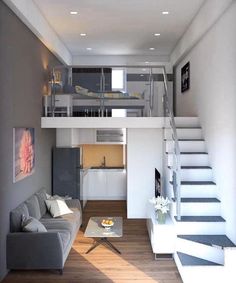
{"x": 176, "y": 165}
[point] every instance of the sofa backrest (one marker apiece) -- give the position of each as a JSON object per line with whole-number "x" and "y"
{"x": 34, "y": 206}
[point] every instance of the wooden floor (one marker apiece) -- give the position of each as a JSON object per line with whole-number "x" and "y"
{"x": 135, "y": 264}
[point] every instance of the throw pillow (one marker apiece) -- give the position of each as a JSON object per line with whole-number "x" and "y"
{"x": 57, "y": 207}
{"x": 32, "y": 224}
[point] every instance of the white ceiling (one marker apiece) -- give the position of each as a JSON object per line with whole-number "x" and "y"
{"x": 119, "y": 27}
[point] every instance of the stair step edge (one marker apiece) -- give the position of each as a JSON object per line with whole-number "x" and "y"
{"x": 196, "y": 183}
{"x": 188, "y": 260}
{"x": 217, "y": 241}
{"x": 200, "y": 200}
{"x": 194, "y": 167}
{"x": 216, "y": 219}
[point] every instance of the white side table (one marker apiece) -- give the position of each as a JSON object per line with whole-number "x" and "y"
{"x": 162, "y": 236}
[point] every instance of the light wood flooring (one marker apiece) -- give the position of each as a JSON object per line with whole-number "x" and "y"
{"x": 135, "y": 264}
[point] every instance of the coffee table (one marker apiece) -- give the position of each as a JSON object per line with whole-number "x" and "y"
{"x": 95, "y": 230}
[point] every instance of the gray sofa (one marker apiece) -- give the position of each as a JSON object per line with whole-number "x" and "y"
{"x": 42, "y": 250}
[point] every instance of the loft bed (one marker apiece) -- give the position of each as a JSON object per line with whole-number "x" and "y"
{"x": 98, "y": 103}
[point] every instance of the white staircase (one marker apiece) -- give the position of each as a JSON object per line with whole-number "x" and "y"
{"x": 201, "y": 245}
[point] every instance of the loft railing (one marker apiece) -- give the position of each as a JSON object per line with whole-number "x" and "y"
{"x": 176, "y": 165}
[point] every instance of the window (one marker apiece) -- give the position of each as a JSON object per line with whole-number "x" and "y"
{"x": 118, "y": 79}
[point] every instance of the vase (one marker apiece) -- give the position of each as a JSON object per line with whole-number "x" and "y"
{"x": 161, "y": 217}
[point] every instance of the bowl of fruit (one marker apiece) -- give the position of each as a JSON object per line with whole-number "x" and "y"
{"x": 107, "y": 223}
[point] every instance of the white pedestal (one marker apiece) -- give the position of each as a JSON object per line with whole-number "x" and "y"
{"x": 162, "y": 236}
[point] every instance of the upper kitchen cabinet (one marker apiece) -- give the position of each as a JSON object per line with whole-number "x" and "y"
{"x": 75, "y": 137}
{"x": 94, "y": 79}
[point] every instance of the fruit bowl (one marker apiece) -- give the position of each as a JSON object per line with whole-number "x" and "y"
{"x": 107, "y": 223}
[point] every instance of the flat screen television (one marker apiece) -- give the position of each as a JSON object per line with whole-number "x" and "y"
{"x": 157, "y": 183}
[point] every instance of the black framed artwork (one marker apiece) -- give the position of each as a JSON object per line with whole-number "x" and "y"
{"x": 185, "y": 77}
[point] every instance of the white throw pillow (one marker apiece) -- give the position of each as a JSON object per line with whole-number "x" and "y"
{"x": 57, "y": 207}
{"x": 32, "y": 224}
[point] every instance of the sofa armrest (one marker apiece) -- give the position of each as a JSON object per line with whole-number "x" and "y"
{"x": 34, "y": 250}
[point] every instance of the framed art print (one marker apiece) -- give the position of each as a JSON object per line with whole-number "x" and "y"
{"x": 23, "y": 153}
{"x": 185, "y": 77}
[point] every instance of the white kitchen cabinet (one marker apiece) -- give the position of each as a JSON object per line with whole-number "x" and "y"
{"x": 116, "y": 184}
{"x": 105, "y": 184}
{"x": 97, "y": 185}
{"x": 83, "y": 136}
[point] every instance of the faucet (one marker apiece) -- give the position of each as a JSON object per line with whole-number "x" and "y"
{"x": 104, "y": 162}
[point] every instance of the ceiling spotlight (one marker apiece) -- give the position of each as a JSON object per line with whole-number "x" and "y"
{"x": 83, "y": 34}
{"x": 89, "y": 48}
{"x": 151, "y": 48}
{"x": 165, "y": 13}
{"x": 73, "y": 12}
{"x": 141, "y": 75}
{"x": 146, "y": 62}
{"x": 157, "y": 34}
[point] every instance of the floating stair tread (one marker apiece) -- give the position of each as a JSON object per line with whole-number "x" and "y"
{"x": 193, "y": 167}
{"x": 196, "y": 183}
{"x": 201, "y": 200}
{"x": 189, "y": 127}
{"x": 210, "y": 240}
{"x": 189, "y": 152}
{"x": 200, "y": 219}
{"x": 185, "y": 140}
{"x": 188, "y": 260}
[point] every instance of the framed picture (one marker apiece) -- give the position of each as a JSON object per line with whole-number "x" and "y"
{"x": 185, "y": 77}
{"x": 23, "y": 153}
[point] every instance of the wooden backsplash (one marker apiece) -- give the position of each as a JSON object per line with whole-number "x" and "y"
{"x": 93, "y": 155}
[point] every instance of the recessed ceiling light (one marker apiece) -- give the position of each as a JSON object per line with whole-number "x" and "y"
{"x": 146, "y": 62}
{"x": 151, "y": 48}
{"x": 89, "y": 48}
{"x": 73, "y": 12}
{"x": 141, "y": 75}
{"x": 157, "y": 34}
{"x": 165, "y": 13}
{"x": 83, "y": 34}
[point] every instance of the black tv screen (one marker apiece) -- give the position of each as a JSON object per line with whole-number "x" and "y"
{"x": 157, "y": 183}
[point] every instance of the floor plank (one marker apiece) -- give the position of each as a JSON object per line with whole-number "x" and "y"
{"x": 135, "y": 264}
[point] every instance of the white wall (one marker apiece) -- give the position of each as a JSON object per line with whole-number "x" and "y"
{"x": 212, "y": 96}
{"x": 144, "y": 154}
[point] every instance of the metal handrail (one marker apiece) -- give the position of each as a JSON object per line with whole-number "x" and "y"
{"x": 176, "y": 166}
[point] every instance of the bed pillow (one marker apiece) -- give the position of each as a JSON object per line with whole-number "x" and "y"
{"x": 32, "y": 224}
{"x": 81, "y": 90}
{"x": 57, "y": 207}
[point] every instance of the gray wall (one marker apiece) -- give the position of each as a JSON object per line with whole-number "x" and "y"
{"x": 23, "y": 63}
{"x": 212, "y": 97}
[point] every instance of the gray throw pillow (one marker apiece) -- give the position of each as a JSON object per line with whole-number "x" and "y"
{"x": 32, "y": 224}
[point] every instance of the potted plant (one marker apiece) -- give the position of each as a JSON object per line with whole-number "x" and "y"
{"x": 161, "y": 206}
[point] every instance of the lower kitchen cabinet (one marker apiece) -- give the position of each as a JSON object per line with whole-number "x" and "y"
{"x": 105, "y": 184}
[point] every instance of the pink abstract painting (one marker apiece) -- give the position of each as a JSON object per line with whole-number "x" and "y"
{"x": 23, "y": 153}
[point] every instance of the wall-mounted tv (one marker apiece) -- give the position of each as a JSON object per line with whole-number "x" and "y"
{"x": 157, "y": 183}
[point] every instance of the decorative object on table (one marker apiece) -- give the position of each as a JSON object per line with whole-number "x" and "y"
{"x": 161, "y": 206}
{"x": 107, "y": 223}
{"x": 185, "y": 77}
{"x": 23, "y": 153}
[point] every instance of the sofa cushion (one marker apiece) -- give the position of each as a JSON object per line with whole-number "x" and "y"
{"x": 42, "y": 196}
{"x": 57, "y": 224}
{"x": 33, "y": 207}
{"x": 32, "y": 224}
{"x": 16, "y": 217}
{"x": 57, "y": 207}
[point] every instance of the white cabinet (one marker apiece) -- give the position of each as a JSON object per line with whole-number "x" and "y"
{"x": 83, "y": 136}
{"x": 97, "y": 185}
{"x": 105, "y": 184}
{"x": 162, "y": 236}
{"x": 116, "y": 184}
